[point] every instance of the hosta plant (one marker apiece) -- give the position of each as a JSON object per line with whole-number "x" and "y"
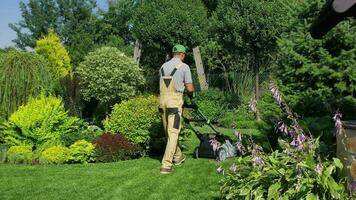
{"x": 294, "y": 172}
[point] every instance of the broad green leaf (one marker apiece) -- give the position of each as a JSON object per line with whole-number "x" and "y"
{"x": 273, "y": 192}
{"x": 338, "y": 163}
{"x": 312, "y": 196}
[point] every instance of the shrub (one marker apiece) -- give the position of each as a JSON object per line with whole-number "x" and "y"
{"x": 82, "y": 152}
{"x": 55, "y": 155}
{"x": 294, "y": 173}
{"x": 51, "y": 48}
{"x": 116, "y": 147}
{"x": 212, "y": 102}
{"x": 22, "y": 74}
{"x": 41, "y": 122}
{"x": 83, "y": 132}
{"x": 108, "y": 75}
{"x": 136, "y": 119}
{"x": 21, "y": 154}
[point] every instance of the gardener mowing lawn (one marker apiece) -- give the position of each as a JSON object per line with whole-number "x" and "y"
{"x": 174, "y": 77}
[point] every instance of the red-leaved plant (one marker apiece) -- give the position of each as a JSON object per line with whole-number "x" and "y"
{"x": 114, "y": 147}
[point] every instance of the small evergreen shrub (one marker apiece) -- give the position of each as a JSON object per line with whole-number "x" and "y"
{"x": 115, "y": 147}
{"x": 21, "y": 154}
{"x": 136, "y": 119}
{"x": 82, "y": 152}
{"x": 55, "y": 155}
{"x": 41, "y": 122}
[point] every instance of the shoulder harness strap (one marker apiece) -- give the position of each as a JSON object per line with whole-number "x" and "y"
{"x": 176, "y": 68}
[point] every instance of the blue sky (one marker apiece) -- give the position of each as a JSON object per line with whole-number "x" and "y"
{"x": 10, "y": 13}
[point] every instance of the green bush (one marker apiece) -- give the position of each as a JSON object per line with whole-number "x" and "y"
{"x": 42, "y": 122}
{"x": 82, "y": 152}
{"x": 55, "y": 155}
{"x": 212, "y": 102}
{"x": 22, "y": 75}
{"x": 136, "y": 119}
{"x": 84, "y": 131}
{"x": 21, "y": 154}
{"x": 108, "y": 75}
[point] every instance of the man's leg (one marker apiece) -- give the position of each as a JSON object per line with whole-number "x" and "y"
{"x": 173, "y": 129}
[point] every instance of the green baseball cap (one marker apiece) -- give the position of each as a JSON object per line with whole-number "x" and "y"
{"x": 178, "y": 48}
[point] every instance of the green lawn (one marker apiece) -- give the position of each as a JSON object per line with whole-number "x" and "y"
{"x": 133, "y": 179}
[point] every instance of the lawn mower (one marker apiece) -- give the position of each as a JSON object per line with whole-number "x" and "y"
{"x": 214, "y": 145}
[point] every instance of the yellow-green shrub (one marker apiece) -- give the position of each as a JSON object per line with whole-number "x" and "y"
{"x": 51, "y": 48}
{"x": 20, "y": 154}
{"x": 55, "y": 155}
{"x": 136, "y": 119}
{"x": 82, "y": 152}
{"x": 41, "y": 122}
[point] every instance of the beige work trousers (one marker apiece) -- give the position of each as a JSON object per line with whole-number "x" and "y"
{"x": 171, "y": 108}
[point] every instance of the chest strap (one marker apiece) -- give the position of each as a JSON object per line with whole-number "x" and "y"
{"x": 173, "y": 72}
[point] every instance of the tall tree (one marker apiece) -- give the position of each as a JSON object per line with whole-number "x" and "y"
{"x": 248, "y": 29}
{"x": 73, "y": 20}
{"x": 159, "y": 24}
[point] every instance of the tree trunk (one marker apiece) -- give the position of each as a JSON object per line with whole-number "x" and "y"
{"x": 257, "y": 89}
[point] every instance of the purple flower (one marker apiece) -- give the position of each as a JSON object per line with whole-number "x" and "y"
{"x": 257, "y": 161}
{"x": 338, "y": 124}
{"x": 233, "y": 168}
{"x": 282, "y": 128}
{"x": 239, "y": 146}
{"x": 256, "y": 156}
{"x": 298, "y": 142}
{"x": 319, "y": 169}
{"x": 220, "y": 170}
{"x": 214, "y": 143}
{"x": 238, "y": 135}
{"x": 276, "y": 94}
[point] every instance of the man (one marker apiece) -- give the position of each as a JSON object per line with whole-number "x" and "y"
{"x": 175, "y": 76}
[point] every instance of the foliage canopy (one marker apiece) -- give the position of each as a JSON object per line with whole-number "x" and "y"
{"x": 108, "y": 75}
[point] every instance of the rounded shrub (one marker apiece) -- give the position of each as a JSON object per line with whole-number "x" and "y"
{"x": 82, "y": 152}
{"x": 137, "y": 119}
{"x": 115, "y": 147}
{"x": 21, "y": 154}
{"x": 22, "y": 74}
{"x": 55, "y": 155}
{"x": 42, "y": 122}
{"x": 108, "y": 75}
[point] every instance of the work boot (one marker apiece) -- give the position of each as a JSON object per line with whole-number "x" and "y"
{"x": 180, "y": 161}
{"x": 166, "y": 170}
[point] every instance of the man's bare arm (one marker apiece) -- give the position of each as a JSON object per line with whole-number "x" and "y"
{"x": 189, "y": 87}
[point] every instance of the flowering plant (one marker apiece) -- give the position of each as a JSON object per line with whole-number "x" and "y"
{"x": 293, "y": 172}
{"x": 287, "y": 174}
